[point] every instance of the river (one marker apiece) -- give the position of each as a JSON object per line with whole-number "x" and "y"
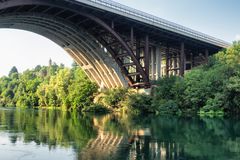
{"x": 27, "y": 134}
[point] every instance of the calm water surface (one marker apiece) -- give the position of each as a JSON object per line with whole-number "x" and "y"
{"x": 55, "y": 135}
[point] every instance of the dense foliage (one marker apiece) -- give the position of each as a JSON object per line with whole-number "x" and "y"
{"x": 47, "y": 86}
{"x": 125, "y": 100}
{"x": 211, "y": 88}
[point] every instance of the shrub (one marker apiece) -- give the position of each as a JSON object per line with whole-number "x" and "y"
{"x": 168, "y": 93}
{"x": 96, "y": 108}
{"x": 169, "y": 106}
{"x": 112, "y": 98}
{"x": 138, "y": 104}
{"x": 214, "y": 104}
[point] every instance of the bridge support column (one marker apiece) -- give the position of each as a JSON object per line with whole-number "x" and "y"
{"x": 182, "y": 59}
{"x": 206, "y": 55}
{"x": 170, "y": 64}
{"x": 158, "y": 63}
{"x": 138, "y": 50}
{"x": 193, "y": 61}
{"x": 132, "y": 38}
{"x": 112, "y": 25}
{"x": 153, "y": 64}
{"x": 175, "y": 63}
{"x": 146, "y": 55}
{"x": 167, "y": 61}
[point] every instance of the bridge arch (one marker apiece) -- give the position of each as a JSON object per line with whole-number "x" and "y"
{"x": 94, "y": 48}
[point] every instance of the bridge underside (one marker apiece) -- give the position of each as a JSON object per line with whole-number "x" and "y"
{"x": 112, "y": 50}
{"x": 82, "y": 47}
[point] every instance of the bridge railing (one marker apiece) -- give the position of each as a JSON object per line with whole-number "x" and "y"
{"x": 154, "y": 20}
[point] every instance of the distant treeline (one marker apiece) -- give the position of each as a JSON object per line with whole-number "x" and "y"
{"x": 47, "y": 86}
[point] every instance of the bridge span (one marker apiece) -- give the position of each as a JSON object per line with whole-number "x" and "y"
{"x": 115, "y": 45}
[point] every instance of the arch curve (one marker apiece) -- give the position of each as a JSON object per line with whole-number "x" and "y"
{"x": 81, "y": 46}
{"x": 95, "y": 46}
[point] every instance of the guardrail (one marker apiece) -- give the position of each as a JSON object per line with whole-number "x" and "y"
{"x": 154, "y": 20}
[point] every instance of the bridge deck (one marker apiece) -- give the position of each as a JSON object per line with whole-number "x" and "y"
{"x": 117, "y": 8}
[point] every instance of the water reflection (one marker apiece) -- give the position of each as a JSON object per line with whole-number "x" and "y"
{"x": 117, "y": 137}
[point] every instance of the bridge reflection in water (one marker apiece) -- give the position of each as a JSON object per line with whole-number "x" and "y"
{"x": 146, "y": 148}
{"x": 137, "y": 144}
{"x": 115, "y": 137}
{"x": 105, "y": 146}
{"x": 109, "y": 146}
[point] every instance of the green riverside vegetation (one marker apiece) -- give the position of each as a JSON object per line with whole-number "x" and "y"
{"x": 212, "y": 89}
{"x": 47, "y": 86}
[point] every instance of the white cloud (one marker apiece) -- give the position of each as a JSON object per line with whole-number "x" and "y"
{"x": 237, "y": 37}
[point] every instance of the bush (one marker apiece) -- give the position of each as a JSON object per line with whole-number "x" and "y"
{"x": 95, "y": 108}
{"x": 169, "y": 106}
{"x": 125, "y": 100}
{"x": 232, "y": 94}
{"x": 214, "y": 104}
{"x": 138, "y": 104}
{"x": 112, "y": 98}
{"x": 208, "y": 87}
{"x": 168, "y": 93}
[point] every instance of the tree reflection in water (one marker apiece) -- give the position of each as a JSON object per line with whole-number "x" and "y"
{"x": 119, "y": 137}
{"x": 50, "y": 127}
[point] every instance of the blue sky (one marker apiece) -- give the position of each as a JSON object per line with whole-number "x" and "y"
{"x": 218, "y": 18}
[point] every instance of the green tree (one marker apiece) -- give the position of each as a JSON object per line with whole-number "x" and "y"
{"x": 81, "y": 91}
{"x": 48, "y": 86}
{"x": 12, "y": 71}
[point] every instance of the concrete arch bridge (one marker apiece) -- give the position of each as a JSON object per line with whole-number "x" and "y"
{"x": 115, "y": 45}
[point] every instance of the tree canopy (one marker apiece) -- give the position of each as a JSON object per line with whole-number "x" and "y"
{"x": 47, "y": 86}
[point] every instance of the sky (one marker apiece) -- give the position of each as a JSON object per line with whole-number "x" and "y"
{"x": 218, "y": 18}
{"x": 25, "y": 50}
